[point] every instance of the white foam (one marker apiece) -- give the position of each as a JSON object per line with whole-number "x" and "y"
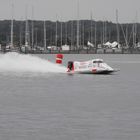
{"x": 14, "y": 62}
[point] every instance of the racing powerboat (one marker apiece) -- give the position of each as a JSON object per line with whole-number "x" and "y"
{"x": 94, "y": 66}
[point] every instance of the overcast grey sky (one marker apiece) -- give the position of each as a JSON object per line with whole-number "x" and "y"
{"x": 67, "y": 9}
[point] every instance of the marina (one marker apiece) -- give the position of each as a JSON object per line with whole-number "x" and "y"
{"x": 69, "y": 70}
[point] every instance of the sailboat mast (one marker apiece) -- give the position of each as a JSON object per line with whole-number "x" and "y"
{"x": 117, "y": 25}
{"x": 44, "y": 35}
{"x": 71, "y": 35}
{"x": 127, "y": 35}
{"x": 56, "y": 32}
{"x": 83, "y": 35}
{"x": 61, "y": 32}
{"x": 12, "y": 23}
{"x": 135, "y": 31}
{"x": 66, "y": 33}
{"x": 77, "y": 41}
{"x": 95, "y": 35}
{"x": 26, "y": 30}
{"x": 105, "y": 32}
{"x": 91, "y": 28}
{"x": 36, "y": 39}
{"x": 20, "y": 35}
{"x": 103, "y": 37}
{"x": 32, "y": 26}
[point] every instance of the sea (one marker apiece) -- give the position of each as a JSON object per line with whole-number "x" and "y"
{"x": 40, "y": 101}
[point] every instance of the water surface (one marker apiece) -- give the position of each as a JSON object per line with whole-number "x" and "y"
{"x": 57, "y": 106}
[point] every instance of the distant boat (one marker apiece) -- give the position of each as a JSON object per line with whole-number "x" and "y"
{"x": 10, "y": 46}
{"x": 114, "y": 45}
{"x": 90, "y": 44}
{"x": 65, "y": 47}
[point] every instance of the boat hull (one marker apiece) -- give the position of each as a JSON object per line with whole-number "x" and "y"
{"x": 92, "y": 72}
{"x": 95, "y": 66}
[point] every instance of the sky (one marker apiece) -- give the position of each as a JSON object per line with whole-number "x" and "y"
{"x": 65, "y": 10}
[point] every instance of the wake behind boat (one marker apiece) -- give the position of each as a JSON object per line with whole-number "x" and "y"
{"x": 94, "y": 66}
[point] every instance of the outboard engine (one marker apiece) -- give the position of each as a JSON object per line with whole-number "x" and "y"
{"x": 70, "y": 66}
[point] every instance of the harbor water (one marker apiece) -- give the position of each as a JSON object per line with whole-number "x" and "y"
{"x": 40, "y": 101}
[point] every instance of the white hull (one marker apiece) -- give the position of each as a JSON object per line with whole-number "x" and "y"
{"x": 95, "y": 66}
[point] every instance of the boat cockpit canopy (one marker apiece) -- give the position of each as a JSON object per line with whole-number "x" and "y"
{"x": 98, "y": 61}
